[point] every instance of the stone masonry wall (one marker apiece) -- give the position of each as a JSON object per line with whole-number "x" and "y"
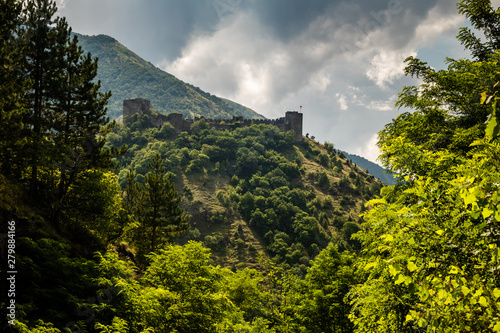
{"x": 291, "y": 122}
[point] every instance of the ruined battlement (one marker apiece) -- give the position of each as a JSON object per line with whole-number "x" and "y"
{"x": 291, "y": 122}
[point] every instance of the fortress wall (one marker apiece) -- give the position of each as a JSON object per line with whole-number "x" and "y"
{"x": 136, "y": 106}
{"x": 292, "y": 120}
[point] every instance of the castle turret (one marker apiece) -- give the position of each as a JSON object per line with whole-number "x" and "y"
{"x": 136, "y": 106}
{"x": 293, "y": 122}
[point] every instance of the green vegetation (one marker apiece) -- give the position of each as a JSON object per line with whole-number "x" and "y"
{"x": 129, "y": 76}
{"x": 92, "y": 211}
{"x": 431, "y": 242}
{"x": 259, "y": 190}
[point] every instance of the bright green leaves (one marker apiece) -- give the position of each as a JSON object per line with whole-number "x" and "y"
{"x": 411, "y": 266}
{"x": 492, "y": 125}
{"x": 454, "y": 270}
{"x": 435, "y": 237}
{"x": 487, "y": 212}
{"x": 182, "y": 292}
{"x": 387, "y": 238}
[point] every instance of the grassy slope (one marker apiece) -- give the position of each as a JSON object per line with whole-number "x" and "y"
{"x": 204, "y": 208}
{"x": 129, "y": 76}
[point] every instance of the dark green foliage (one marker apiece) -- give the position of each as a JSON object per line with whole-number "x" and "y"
{"x": 155, "y": 205}
{"x": 12, "y": 111}
{"x": 317, "y": 304}
{"x": 66, "y": 111}
{"x": 57, "y": 282}
{"x": 323, "y": 180}
{"x": 260, "y": 162}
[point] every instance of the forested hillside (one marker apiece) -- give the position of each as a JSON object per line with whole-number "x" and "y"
{"x": 129, "y": 76}
{"x": 253, "y": 191}
{"x": 124, "y": 228}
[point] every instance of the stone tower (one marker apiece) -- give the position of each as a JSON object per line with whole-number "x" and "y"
{"x": 293, "y": 122}
{"x": 136, "y": 106}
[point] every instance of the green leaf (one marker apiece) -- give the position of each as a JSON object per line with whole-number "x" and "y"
{"x": 496, "y": 293}
{"x": 370, "y": 265}
{"x": 394, "y": 269}
{"x": 484, "y": 95}
{"x": 442, "y": 294}
{"x": 483, "y": 302}
{"x": 411, "y": 266}
{"x": 465, "y": 290}
{"x": 387, "y": 238}
{"x": 492, "y": 128}
{"x": 487, "y": 212}
{"x": 497, "y": 215}
{"x": 401, "y": 279}
{"x": 439, "y": 232}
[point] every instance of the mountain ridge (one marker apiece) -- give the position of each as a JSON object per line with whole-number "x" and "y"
{"x": 373, "y": 168}
{"x": 127, "y": 75}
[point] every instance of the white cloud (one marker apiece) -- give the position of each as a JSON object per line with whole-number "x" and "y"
{"x": 387, "y": 66}
{"x": 329, "y": 67}
{"x": 435, "y": 25}
{"x": 342, "y": 101}
{"x": 369, "y": 150}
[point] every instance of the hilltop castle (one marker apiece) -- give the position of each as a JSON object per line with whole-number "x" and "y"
{"x": 291, "y": 122}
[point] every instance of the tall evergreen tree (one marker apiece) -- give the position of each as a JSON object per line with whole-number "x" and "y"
{"x": 154, "y": 205}
{"x": 66, "y": 112}
{"x": 162, "y": 217}
{"x": 12, "y": 88}
{"x": 81, "y": 115}
{"x": 38, "y": 36}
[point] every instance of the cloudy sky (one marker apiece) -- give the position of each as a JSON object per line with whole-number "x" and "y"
{"x": 341, "y": 60}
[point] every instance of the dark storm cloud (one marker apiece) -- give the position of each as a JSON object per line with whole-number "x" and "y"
{"x": 154, "y": 29}
{"x": 288, "y": 18}
{"x": 341, "y": 60}
{"x": 161, "y": 29}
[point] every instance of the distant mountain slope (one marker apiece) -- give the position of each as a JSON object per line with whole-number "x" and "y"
{"x": 129, "y": 76}
{"x": 373, "y": 168}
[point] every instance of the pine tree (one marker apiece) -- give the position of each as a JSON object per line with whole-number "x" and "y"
{"x": 66, "y": 122}
{"x": 12, "y": 88}
{"x": 162, "y": 217}
{"x": 155, "y": 206}
{"x": 39, "y": 39}
{"x": 81, "y": 111}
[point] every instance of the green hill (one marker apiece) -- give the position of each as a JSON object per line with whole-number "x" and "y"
{"x": 129, "y": 76}
{"x": 254, "y": 191}
{"x": 372, "y": 168}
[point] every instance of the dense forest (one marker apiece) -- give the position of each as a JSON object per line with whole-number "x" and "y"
{"x": 111, "y": 227}
{"x": 253, "y": 189}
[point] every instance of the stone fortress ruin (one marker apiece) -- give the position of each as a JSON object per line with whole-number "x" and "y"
{"x": 291, "y": 122}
